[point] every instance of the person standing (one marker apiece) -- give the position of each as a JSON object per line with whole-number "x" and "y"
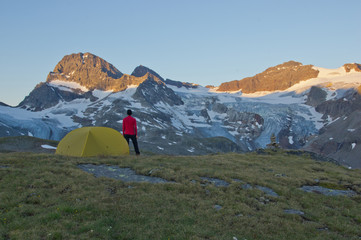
{"x": 130, "y": 130}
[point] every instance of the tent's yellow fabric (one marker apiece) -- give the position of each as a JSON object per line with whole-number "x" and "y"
{"x": 93, "y": 141}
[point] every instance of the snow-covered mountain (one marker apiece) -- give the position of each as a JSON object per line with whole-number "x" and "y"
{"x": 320, "y": 113}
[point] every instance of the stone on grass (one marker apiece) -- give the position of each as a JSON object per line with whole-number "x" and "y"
{"x": 293, "y": 211}
{"x": 267, "y": 191}
{"x": 328, "y": 191}
{"x": 216, "y": 182}
{"x": 123, "y": 174}
{"x": 217, "y": 207}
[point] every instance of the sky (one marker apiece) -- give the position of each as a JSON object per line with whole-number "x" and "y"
{"x": 206, "y": 42}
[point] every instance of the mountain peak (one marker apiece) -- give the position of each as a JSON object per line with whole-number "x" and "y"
{"x": 279, "y": 77}
{"x": 86, "y": 69}
{"x": 141, "y": 71}
{"x": 70, "y": 64}
{"x": 285, "y": 66}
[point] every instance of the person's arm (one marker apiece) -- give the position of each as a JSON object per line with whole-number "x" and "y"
{"x": 123, "y": 127}
{"x": 135, "y": 128}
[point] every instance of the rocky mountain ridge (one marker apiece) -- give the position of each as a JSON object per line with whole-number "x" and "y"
{"x": 184, "y": 118}
{"x": 93, "y": 72}
{"x": 280, "y": 77}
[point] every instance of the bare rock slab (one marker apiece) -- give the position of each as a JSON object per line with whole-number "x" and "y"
{"x": 328, "y": 191}
{"x": 123, "y": 174}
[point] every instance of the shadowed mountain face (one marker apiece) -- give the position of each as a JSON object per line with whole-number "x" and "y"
{"x": 153, "y": 91}
{"x": 341, "y": 137}
{"x": 45, "y": 96}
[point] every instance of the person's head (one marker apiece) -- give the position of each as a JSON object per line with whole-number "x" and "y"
{"x": 129, "y": 112}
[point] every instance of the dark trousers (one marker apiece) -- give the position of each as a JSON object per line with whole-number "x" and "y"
{"x": 134, "y": 140}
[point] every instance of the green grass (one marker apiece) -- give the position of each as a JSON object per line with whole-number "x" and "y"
{"x": 44, "y": 196}
{"x": 25, "y": 144}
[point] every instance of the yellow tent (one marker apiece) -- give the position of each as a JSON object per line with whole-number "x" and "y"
{"x": 93, "y": 141}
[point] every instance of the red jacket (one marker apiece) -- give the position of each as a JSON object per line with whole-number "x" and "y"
{"x": 130, "y": 126}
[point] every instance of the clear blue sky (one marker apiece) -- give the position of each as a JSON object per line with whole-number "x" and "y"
{"x": 199, "y": 41}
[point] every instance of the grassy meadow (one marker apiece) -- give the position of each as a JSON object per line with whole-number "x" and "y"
{"x": 45, "y": 196}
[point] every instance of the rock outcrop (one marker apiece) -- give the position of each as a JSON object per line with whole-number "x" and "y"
{"x": 316, "y": 96}
{"x": 275, "y": 78}
{"x": 179, "y": 84}
{"x": 352, "y": 66}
